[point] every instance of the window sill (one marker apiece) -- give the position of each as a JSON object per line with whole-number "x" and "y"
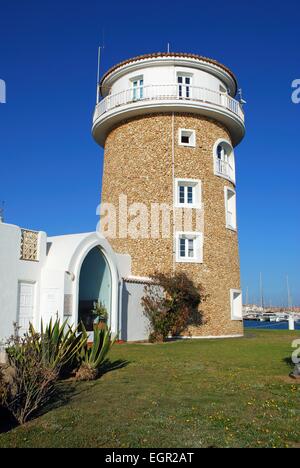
{"x": 186, "y": 205}
{"x": 189, "y": 260}
{"x": 29, "y": 260}
{"x": 186, "y": 145}
{"x": 231, "y": 228}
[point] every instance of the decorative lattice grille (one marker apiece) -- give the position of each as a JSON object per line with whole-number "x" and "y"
{"x": 29, "y": 245}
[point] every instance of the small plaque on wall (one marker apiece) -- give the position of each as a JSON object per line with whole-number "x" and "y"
{"x": 68, "y": 300}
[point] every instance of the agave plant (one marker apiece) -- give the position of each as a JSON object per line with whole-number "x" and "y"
{"x": 59, "y": 344}
{"x": 93, "y": 356}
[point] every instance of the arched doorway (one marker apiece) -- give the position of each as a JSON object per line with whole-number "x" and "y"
{"x": 95, "y": 285}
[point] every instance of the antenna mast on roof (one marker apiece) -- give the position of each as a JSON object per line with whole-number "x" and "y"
{"x": 98, "y": 69}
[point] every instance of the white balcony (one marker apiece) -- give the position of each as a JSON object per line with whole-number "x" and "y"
{"x": 168, "y": 98}
{"x": 224, "y": 169}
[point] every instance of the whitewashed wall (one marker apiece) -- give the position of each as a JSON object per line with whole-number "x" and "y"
{"x": 12, "y": 271}
{"x": 135, "y": 326}
{"x": 165, "y": 75}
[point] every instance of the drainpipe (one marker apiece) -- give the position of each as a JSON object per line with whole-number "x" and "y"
{"x": 173, "y": 204}
{"x": 120, "y": 309}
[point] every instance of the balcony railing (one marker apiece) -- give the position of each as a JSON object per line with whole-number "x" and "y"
{"x": 168, "y": 92}
{"x": 224, "y": 168}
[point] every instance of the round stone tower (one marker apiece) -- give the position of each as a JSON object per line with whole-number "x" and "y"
{"x": 169, "y": 123}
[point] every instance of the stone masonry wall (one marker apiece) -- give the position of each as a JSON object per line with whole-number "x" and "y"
{"x": 138, "y": 163}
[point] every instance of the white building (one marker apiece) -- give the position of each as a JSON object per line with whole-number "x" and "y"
{"x": 44, "y": 277}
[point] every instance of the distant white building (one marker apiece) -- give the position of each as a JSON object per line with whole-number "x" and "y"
{"x": 252, "y": 308}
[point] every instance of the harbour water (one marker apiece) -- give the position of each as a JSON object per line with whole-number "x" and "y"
{"x": 269, "y": 325}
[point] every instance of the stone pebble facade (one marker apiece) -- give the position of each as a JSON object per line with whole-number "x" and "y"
{"x": 141, "y": 157}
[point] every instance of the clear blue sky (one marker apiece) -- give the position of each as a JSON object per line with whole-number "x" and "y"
{"x": 50, "y": 166}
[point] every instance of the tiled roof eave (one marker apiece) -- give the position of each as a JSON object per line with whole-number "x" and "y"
{"x": 138, "y": 280}
{"x": 166, "y": 55}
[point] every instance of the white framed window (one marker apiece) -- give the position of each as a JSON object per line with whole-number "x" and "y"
{"x": 236, "y": 304}
{"x": 186, "y": 137}
{"x": 223, "y": 160}
{"x": 184, "y": 81}
{"x": 189, "y": 247}
{"x": 187, "y": 193}
{"x": 137, "y": 84}
{"x": 230, "y": 208}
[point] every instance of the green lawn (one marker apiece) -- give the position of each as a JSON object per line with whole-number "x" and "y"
{"x": 216, "y": 393}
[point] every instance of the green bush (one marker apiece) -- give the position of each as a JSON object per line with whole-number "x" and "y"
{"x": 29, "y": 381}
{"x": 59, "y": 345}
{"x": 171, "y": 303}
{"x": 36, "y": 361}
{"x": 93, "y": 354}
{"x": 2, "y": 386}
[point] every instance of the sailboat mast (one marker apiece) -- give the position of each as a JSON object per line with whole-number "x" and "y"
{"x": 289, "y": 298}
{"x": 262, "y": 304}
